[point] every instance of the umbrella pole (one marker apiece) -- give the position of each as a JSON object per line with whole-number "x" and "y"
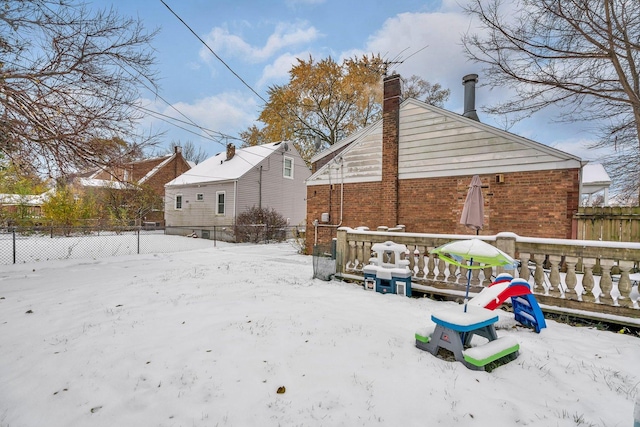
{"x": 466, "y": 295}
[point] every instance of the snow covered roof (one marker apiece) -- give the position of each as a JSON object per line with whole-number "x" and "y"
{"x": 104, "y": 183}
{"x": 594, "y": 180}
{"x": 218, "y": 168}
{"x": 595, "y": 174}
{"x": 25, "y": 199}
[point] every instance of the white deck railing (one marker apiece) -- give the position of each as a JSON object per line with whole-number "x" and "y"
{"x": 581, "y": 277}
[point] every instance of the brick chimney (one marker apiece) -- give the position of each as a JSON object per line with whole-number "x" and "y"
{"x": 231, "y": 151}
{"x": 469, "y": 82}
{"x": 390, "y": 140}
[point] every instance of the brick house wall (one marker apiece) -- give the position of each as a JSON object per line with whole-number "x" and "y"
{"x": 176, "y": 167}
{"x": 136, "y": 171}
{"x": 534, "y": 203}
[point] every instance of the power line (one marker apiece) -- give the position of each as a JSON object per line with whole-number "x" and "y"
{"x": 168, "y": 119}
{"x": 157, "y": 94}
{"x": 214, "y": 54}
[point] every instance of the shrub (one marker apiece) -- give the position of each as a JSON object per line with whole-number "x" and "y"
{"x": 260, "y": 225}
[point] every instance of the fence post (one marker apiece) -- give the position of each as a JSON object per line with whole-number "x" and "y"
{"x": 214, "y": 235}
{"x": 138, "y": 241}
{"x": 342, "y": 250}
{"x": 14, "y": 245}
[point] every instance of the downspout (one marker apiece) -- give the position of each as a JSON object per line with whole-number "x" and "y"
{"x": 260, "y": 190}
{"x": 235, "y": 201}
{"x": 575, "y": 233}
{"x": 316, "y": 224}
{"x": 583, "y": 163}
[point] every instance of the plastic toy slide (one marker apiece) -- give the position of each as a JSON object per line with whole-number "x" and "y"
{"x": 525, "y": 306}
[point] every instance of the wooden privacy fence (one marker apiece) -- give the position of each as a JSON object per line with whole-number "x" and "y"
{"x": 590, "y": 279}
{"x": 611, "y": 224}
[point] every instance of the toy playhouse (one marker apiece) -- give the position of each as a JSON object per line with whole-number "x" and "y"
{"x": 387, "y": 272}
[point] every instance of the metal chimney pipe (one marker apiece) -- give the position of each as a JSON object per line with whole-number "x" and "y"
{"x": 469, "y": 82}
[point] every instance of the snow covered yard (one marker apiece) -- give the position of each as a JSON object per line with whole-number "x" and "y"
{"x": 208, "y": 337}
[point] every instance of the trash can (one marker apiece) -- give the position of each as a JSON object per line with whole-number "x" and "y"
{"x": 324, "y": 264}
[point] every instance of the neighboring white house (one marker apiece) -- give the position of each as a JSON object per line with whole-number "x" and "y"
{"x": 217, "y": 190}
{"x": 595, "y": 180}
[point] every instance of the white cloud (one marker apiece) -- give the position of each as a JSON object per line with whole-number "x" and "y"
{"x": 224, "y": 112}
{"x": 579, "y": 147}
{"x": 284, "y": 35}
{"x": 279, "y": 69}
{"x": 228, "y": 113}
{"x": 436, "y": 39}
{"x": 443, "y": 61}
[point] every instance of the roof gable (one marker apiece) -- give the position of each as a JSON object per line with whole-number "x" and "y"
{"x": 434, "y": 142}
{"x": 218, "y": 168}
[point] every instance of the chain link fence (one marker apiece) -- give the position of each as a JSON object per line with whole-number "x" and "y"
{"x": 246, "y": 233}
{"x": 25, "y": 245}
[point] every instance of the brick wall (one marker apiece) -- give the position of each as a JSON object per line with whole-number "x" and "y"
{"x": 388, "y": 205}
{"x": 533, "y": 204}
{"x": 176, "y": 167}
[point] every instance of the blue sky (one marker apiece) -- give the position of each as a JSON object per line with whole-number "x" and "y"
{"x": 261, "y": 39}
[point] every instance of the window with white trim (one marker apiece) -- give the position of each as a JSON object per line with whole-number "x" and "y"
{"x": 220, "y": 200}
{"x": 288, "y": 167}
{"x": 178, "y": 201}
{"x": 199, "y": 197}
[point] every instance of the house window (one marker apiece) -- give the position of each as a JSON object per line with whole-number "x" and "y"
{"x": 199, "y": 197}
{"x": 179, "y": 201}
{"x": 220, "y": 203}
{"x": 288, "y": 167}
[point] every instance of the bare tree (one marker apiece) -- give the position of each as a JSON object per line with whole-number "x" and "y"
{"x": 580, "y": 55}
{"x": 190, "y": 152}
{"x": 416, "y": 87}
{"x": 70, "y": 80}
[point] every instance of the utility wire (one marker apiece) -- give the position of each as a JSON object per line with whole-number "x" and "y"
{"x": 170, "y": 120}
{"x": 155, "y": 92}
{"x": 300, "y": 120}
{"x": 214, "y": 54}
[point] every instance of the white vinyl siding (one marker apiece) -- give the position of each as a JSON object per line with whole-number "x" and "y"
{"x": 263, "y": 185}
{"x": 434, "y": 143}
{"x": 272, "y": 190}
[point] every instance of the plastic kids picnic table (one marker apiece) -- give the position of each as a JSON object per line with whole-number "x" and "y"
{"x": 455, "y": 328}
